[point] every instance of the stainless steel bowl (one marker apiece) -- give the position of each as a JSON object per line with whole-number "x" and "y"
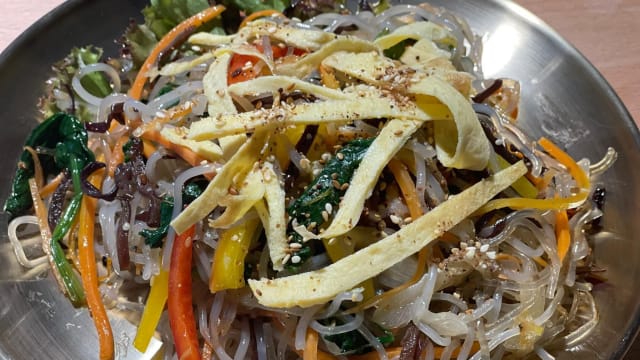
{"x": 564, "y": 98}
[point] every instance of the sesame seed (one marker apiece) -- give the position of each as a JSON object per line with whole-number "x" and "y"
{"x": 332, "y": 241}
{"x": 484, "y": 248}
{"x": 325, "y": 215}
{"x": 305, "y": 163}
{"x": 126, "y": 226}
{"x": 340, "y": 156}
{"x": 463, "y": 245}
{"x": 471, "y": 252}
{"x": 491, "y": 255}
{"x": 395, "y": 219}
{"x": 408, "y": 219}
{"x": 296, "y": 259}
{"x": 328, "y": 207}
{"x": 235, "y": 238}
{"x": 295, "y": 246}
{"x": 286, "y": 258}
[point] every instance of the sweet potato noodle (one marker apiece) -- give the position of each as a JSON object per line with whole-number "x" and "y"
{"x": 350, "y": 186}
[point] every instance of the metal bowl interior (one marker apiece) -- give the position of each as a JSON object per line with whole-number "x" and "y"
{"x": 564, "y": 98}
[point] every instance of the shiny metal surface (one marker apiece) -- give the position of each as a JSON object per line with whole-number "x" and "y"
{"x": 564, "y": 98}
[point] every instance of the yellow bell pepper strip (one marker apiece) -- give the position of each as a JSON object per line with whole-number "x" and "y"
{"x": 168, "y": 41}
{"x": 152, "y": 310}
{"x": 522, "y": 186}
{"x": 88, "y": 270}
{"x": 180, "y": 303}
{"x": 227, "y": 270}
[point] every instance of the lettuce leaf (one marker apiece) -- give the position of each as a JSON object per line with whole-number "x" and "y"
{"x": 60, "y": 95}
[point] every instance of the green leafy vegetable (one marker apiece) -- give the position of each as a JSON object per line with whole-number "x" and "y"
{"x": 154, "y": 237}
{"x": 250, "y": 6}
{"x": 352, "y": 342}
{"x": 61, "y": 135}
{"x": 326, "y": 188}
{"x": 69, "y": 278}
{"x": 396, "y": 51}
{"x": 64, "y": 70}
{"x": 160, "y": 16}
{"x": 191, "y": 191}
{"x": 306, "y": 9}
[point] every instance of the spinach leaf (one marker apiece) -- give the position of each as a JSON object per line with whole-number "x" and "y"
{"x": 61, "y": 135}
{"x": 327, "y": 188}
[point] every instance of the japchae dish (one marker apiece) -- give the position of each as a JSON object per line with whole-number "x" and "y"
{"x": 317, "y": 184}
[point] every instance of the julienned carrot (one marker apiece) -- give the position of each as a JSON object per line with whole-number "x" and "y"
{"x": 181, "y": 319}
{"x": 563, "y": 235}
{"x": 185, "y": 153}
{"x": 117, "y": 155}
{"x": 148, "y": 148}
{"x": 37, "y": 167}
{"x": 311, "y": 345}
{"x": 565, "y": 159}
{"x": 51, "y": 186}
{"x": 168, "y": 41}
{"x": 259, "y": 14}
{"x": 407, "y": 186}
{"x": 89, "y": 273}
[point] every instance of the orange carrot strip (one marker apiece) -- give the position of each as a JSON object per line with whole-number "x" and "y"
{"x": 48, "y": 189}
{"x": 184, "y": 152}
{"x": 37, "y": 167}
{"x": 407, "y": 187}
{"x": 89, "y": 272}
{"x": 321, "y": 355}
{"x": 148, "y": 148}
{"x": 373, "y": 355}
{"x": 117, "y": 155}
{"x": 259, "y": 14}
{"x": 565, "y": 159}
{"x": 311, "y": 345}
{"x": 563, "y": 235}
{"x": 185, "y": 27}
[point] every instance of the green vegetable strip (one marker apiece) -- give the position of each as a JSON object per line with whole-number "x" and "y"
{"x": 69, "y": 277}
{"x": 154, "y": 237}
{"x": 327, "y": 188}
